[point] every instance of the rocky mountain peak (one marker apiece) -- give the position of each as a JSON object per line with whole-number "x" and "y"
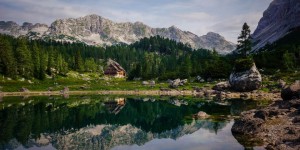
{"x": 213, "y": 35}
{"x": 277, "y": 21}
{"x": 96, "y": 30}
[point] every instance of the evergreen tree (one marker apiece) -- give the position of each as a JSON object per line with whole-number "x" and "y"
{"x": 50, "y": 62}
{"x": 244, "y": 41}
{"x": 185, "y": 68}
{"x": 288, "y": 61}
{"x": 7, "y": 60}
{"x": 78, "y": 62}
{"x": 36, "y": 60}
{"x": 90, "y": 65}
{"x": 24, "y": 61}
{"x": 42, "y": 69}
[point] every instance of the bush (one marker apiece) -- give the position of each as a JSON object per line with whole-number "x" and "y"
{"x": 243, "y": 64}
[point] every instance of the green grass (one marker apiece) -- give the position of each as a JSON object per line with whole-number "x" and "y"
{"x": 79, "y": 82}
{"x": 95, "y": 82}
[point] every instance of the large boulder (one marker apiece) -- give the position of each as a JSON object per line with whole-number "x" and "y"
{"x": 245, "y": 81}
{"x": 175, "y": 83}
{"x": 291, "y": 92}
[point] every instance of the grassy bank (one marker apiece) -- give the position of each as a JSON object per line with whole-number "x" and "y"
{"x": 87, "y": 82}
{"x": 93, "y": 82}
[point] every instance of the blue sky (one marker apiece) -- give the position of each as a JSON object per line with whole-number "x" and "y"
{"x": 198, "y": 16}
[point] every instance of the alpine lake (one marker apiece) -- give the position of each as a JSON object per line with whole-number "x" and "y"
{"x": 120, "y": 123}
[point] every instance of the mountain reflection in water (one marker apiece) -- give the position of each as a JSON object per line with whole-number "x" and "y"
{"x": 96, "y": 122}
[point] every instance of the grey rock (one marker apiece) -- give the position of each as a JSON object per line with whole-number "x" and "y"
{"x": 145, "y": 83}
{"x": 261, "y": 114}
{"x": 24, "y": 89}
{"x": 175, "y": 83}
{"x": 247, "y": 125}
{"x": 202, "y": 114}
{"x": 291, "y": 92}
{"x": 273, "y": 126}
{"x": 246, "y": 81}
{"x": 152, "y": 83}
{"x": 277, "y": 21}
{"x": 221, "y": 86}
{"x": 281, "y": 83}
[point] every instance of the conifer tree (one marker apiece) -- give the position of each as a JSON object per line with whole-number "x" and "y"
{"x": 7, "y": 60}
{"x": 244, "y": 41}
{"x": 50, "y": 62}
{"x": 24, "y": 61}
{"x": 78, "y": 62}
{"x": 42, "y": 69}
{"x": 36, "y": 60}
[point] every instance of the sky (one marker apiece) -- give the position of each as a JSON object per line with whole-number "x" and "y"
{"x": 225, "y": 17}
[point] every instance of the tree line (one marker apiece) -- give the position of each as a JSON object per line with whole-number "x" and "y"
{"x": 149, "y": 58}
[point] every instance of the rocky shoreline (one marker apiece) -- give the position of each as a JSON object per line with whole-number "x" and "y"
{"x": 205, "y": 93}
{"x": 277, "y": 127}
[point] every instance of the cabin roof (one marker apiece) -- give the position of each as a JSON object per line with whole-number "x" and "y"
{"x": 116, "y": 65}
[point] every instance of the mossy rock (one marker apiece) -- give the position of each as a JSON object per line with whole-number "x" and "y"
{"x": 243, "y": 64}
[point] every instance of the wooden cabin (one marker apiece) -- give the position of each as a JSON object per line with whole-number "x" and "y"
{"x": 114, "y": 69}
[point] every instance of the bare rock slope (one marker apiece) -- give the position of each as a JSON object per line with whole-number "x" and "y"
{"x": 281, "y": 17}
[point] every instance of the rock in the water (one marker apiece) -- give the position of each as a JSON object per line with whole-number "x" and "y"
{"x": 246, "y": 81}
{"x": 202, "y": 114}
{"x": 221, "y": 86}
{"x": 291, "y": 92}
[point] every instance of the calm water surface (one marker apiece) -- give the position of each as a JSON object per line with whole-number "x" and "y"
{"x": 119, "y": 123}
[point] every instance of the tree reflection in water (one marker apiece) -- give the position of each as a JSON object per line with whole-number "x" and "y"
{"x": 91, "y": 122}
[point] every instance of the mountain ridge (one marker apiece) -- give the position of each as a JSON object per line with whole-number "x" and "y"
{"x": 97, "y": 30}
{"x": 279, "y": 19}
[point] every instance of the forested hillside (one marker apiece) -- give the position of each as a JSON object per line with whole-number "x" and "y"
{"x": 283, "y": 54}
{"x": 150, "y": 58}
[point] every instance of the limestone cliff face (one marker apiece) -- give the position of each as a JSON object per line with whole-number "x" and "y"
{"x": 12, "y": 28}
{"x": 277, "y": 21}
{"x": 96, "y": 30}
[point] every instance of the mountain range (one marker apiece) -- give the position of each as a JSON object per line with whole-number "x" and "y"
{"x": 280, "y": 19}
{"x": 96, "y": 30}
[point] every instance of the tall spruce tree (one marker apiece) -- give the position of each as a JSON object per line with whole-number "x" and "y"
{"x": 7, "y": 60}
{"x": 24, "y": 61}
{"x": 50, "y": 62}
{"x": 244, "y": 41}
{"x": 36, "y": 59}
{"x": 42, "y": 69}
{"x": 78, "y": 62}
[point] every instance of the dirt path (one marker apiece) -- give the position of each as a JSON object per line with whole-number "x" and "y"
{"x": 206, "y": 94}
{"x": 137, "y": 92}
